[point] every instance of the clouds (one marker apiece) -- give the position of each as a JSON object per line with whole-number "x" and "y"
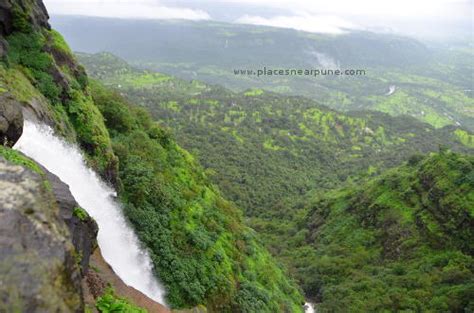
{"x": 304, "y": 22}
{"x": 434, "y": 19}
{"x": 422, "y": 18}
{"x": 451, "y": 9}
{"x": 146, "y": 9}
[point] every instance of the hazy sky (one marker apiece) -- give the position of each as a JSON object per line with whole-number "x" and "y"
{"x": 416, "y": 17}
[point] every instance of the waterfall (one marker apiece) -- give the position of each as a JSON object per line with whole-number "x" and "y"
{"x": 117, "y": 241}
{"x": 309, "y": 308}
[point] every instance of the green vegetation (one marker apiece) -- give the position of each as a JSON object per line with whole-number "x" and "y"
{"x": 40, "y": 66}
{"x": 80, "y": 213}
{"x": 399, "y": 242}
{"x": 26, "y": 50}
{"x": 199, "y": 245}
{"x": 110, "y": 303}
{"x": 59, "y": 44}
{"x": 430, "y": 80}
{"x": 267, "y": 151}
{"x": 18, "y": 158}
{"x": 201, "y": 250}
{"x": 267, "y": 147}
{"x": 465, "y": 137}
{"x": 253, "y": 92}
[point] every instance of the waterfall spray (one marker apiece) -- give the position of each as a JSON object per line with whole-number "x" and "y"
{"x": 117, "y": 241}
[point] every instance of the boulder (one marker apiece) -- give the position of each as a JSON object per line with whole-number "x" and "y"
{"x": 38, "y": 266}
{"x": 11, "y": 120}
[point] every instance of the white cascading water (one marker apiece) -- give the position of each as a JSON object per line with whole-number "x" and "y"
{"x": 309, "y": 308}
{"x": 117, "y": 241}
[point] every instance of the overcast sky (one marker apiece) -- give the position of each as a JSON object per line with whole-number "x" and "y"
{"x": 416, "y": 17}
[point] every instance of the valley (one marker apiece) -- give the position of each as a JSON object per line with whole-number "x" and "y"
{"x": 298, "y": 169}
{"x": 139, "y": 174}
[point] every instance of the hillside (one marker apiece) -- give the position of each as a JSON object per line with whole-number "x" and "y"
{"x": 399, "y": 242}
{"x": 200, "y": 248}
{"x": 262, "y": 147}
{"x": 402, "y": 75}
{"x": 230, "y": 201}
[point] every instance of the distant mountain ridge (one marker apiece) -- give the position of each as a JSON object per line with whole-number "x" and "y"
{"x": 430, "y": 80}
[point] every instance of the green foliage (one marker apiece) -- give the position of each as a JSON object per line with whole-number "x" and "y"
{"x": 20, "y": 18}
{"x": 59, "y": 44}
{"x": 198, "y": 244}
{"x": 19, "y": 159}
{"x": 73, "y": 109}
{"x": 90, "y": 129}
{"x": 399, "y": 242}
{"x": 465, "y": 137}
{"x": 253, "y": 92}
{"x": 80, "y": 213}
{"x": 266, "y": 147}
{"x": 26, "y": 49}
{"x": 427, "y": 81}
{"x": 110, "y": 303}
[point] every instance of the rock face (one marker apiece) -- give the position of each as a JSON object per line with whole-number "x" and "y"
{"x": 33, "y": 11}
{"x": 38, "y": 266}
{"x": 11, "y": 120}
{"x": 5, "y": 17}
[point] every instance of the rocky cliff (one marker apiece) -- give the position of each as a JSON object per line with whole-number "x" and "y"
{"x": 38, "y": 263}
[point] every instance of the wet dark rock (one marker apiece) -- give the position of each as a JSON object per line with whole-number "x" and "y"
{"x": 33, "y": 12}
{"x": 11, "y": 120}
{"x": 6, "y": 20}
{"x": 38, "y": 270}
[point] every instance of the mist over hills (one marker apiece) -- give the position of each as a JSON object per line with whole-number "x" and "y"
{"x": 429, "y": 81}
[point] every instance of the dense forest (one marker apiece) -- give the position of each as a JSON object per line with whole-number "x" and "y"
{"x": 402, "y": 241}
{"x": 246, "y": 199}
{"x": 200, "y": 248}
{"x": 261, "y": 147}
{"x": 320, "y": 189}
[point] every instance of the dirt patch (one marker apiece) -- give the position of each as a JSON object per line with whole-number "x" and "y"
{"x": 100, "y": 274}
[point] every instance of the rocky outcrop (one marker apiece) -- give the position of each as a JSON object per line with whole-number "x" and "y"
{"x": 16, "y": 14}
{"x": 11, "y": 120}
{"x": 6, "y": 19}
{"x": 38, "y": 269}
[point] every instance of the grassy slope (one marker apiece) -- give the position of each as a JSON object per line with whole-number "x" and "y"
{"x": 399, "y": 242}
{"x": 201, "y": 249}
